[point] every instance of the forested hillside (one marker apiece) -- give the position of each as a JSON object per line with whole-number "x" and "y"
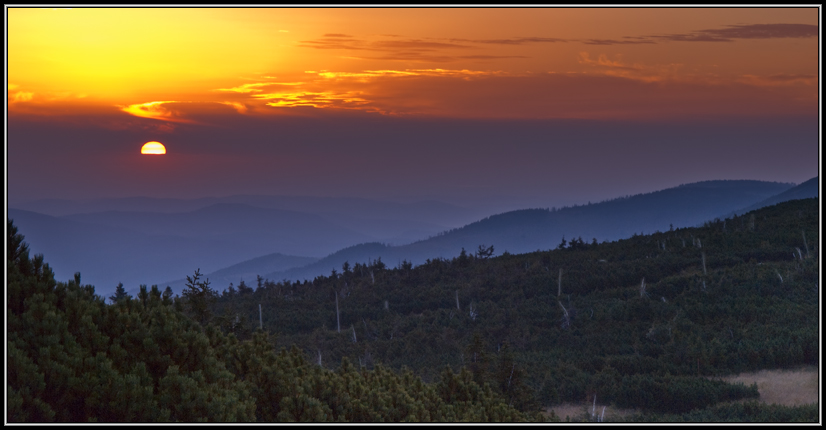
{"x": 157, "y": 358}
{"x": 639, "y": 323}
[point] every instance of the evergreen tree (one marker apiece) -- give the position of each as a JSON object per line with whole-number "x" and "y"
{"x": 120, "y": 294}
{"x": 199, "y": 296}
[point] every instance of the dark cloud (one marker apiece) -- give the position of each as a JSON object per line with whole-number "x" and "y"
{"x": 615, "y": 42}
{"x": 489, "y": 57}
{"x": 745, "y": 31}
{"x": 521, "y": 40}
{"x": 330, "y": 42}
{"x": 415, "y": 44}
{"x": 783, "y": 77}
{"x": 693, "y": 37}
{"x": 413, "y": 56}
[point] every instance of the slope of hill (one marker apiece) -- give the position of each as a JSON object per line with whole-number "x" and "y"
{"x": 639, "y": 323}
{"x": 534, "y": 229}
{"x": 806, "y": 190}
{"x": 248, "y": 270}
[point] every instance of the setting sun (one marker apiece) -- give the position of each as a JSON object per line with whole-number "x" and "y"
{"x": 153, "y": 148}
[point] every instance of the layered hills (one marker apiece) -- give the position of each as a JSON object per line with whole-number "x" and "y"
{"x": 539, "y": 229}
{"x": 158, "y": 241}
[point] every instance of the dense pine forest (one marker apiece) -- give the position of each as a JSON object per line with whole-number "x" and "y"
{"x": 644, "y": 323}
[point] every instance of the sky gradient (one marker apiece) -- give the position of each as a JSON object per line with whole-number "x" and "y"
{"x": 535, "y": 107}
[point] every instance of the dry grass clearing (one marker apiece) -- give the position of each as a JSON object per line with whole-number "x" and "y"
{"x": 783, "y": 387}
{"x": 791, "y": 387}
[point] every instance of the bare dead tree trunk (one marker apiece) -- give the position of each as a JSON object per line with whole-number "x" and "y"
{"x": 703, "y": 254}
{"x": 565, "y": 316}
{"x": 805, "y": 244}
{"x": 457, "y": 301}
{"x": 594, "y": 408}
{"x": 642, "y": 288}
{"x": 338, "y": 321}
{"x": 559, "y": 284}
{"x": 354, "y": 333}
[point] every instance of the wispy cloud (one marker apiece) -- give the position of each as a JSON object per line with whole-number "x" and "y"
{"x": 638, "y": 72}
{"x": 159, "y": 110}
{"x": 247, "y": 88}
{"x": 319, "y": 100}
{"x": 603, "y": 61}
{"x": 239, "y": 107}
{"x": 409, "y": 72}
{"x": 172, "y": 112}
{"x": 15, "y": 95}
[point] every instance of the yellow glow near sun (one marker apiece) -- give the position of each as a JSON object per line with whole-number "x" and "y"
{"x": 153, "y": 148}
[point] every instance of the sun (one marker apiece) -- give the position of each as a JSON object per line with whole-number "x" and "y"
{"x": 153, "y": 148}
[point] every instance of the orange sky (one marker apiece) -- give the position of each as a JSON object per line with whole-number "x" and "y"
{"x": 173, "y": 64}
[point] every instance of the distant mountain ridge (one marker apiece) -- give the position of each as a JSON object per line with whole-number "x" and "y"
{"x": 529, "y": 230}
{"x": 249, "y": 270}
{"x": 229, "y": 240}
{"x": 429, "y": 211}
{"x": 806, "y": 190}
{"x": 140, "y": 240}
